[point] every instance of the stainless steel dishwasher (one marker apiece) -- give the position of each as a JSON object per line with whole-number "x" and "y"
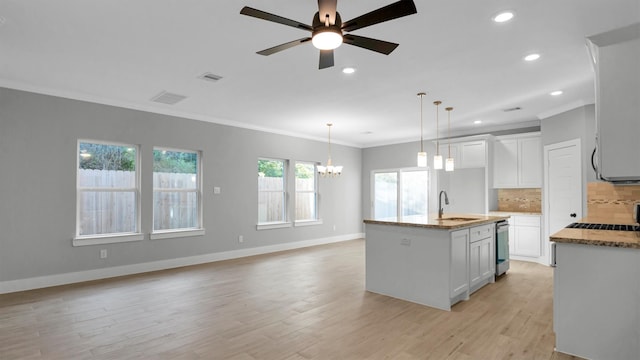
{"x": 502, "y": 247}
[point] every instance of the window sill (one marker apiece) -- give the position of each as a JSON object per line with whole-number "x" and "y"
{"x": 170, "y": 234}
{"x": 106, "y": 239}
{"x": 308, "y": 222}
{"x": 274, "y": 225}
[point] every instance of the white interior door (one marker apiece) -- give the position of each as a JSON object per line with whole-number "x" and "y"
{"x": 563, "y": 186}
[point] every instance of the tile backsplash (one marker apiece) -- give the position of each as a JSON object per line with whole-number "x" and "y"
{"x": 520, "y": 200}
{"x": 605, "y": 200}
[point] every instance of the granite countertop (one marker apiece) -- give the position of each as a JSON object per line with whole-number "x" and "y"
{"x": 509, "y": 213}
{"x": 622, "y": 239}
{"x": 448, "y": 221}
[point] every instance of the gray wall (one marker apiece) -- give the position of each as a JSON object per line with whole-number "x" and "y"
{"x": 38, "y": 145}
{"x": 580, "y": 124}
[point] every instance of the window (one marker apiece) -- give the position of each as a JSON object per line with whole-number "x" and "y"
{"x": 108, "y": 192}
{"x": 176, "y": 191}
{"x": 385, "y": 191}
{"x": 272, "y": 195}
{"x": 306, "y": 192}
{"x": 400, "y": 194}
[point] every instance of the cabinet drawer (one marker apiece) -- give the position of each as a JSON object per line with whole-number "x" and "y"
{"x": 481, "y": 232}
{"x": 520, "y": 220}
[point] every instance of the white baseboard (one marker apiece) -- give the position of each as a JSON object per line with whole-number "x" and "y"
{"x": 76, "y": 277}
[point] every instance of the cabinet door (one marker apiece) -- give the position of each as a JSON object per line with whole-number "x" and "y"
{"x": 527, "y": 241}
{"x": 530, "y": 162}
{"x": 505, "y": 163}
{"x": 487, "y": 259}
{"x": 475, "y": 262}
{"x": 459, "y": 262}
{"x": 512, "y": 239}
{"x": 473, "y": 154}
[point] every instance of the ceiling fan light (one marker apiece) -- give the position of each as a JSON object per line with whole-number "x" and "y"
{"x": 327, "y": 39}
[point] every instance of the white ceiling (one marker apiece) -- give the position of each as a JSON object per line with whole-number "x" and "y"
{"x": 123, "y": 52}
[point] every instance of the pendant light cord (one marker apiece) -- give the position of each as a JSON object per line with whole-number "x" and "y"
{"x": 421, "y": 127}
{"x": 329, "y": 125}
{"x": 437, "y": 103}
{"x": 449, "y": 128}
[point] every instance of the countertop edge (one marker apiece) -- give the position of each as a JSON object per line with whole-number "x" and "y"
{"x": 595, "y": 242}
{"x": 461, "y": 225}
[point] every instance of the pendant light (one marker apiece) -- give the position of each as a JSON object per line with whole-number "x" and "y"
{"x": 422, "y": 155}
{"x": 330, "y": 170}
{"x": 437, "y": 158}
{"x": 449, "y": 163}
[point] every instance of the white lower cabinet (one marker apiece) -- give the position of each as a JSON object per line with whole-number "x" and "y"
{"x": 482, "y": 257}
{"x": 525, "y": 238}
{"x": 596, "y": 301}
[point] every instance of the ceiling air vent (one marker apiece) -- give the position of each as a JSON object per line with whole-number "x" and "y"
{"x": 512, "y": 109}
{"x": 168, "y": 98}
{"x": 210, "y": 77}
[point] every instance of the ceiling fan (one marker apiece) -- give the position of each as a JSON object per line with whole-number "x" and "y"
{"x": 328, "y": 30}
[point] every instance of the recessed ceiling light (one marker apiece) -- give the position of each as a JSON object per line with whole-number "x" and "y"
{"x": 532, "y": 57}
{"x": 556, "y": 93}
{"x": 503, "y": 16}
{"x": 349, "y": 70}
{"x": 477, "y": 122}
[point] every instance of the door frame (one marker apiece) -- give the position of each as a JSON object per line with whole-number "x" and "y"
{"x": 545, "y": 189}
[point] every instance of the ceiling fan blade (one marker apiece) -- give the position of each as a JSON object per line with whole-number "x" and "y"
{"x": 285, "y": 46}
{"x": 393, "y": 11}
{"x": 326, "y": 59}
{"x": 383, "y": 47}
{"x": 275, "y": 18}
{"x": 327, "y": 7}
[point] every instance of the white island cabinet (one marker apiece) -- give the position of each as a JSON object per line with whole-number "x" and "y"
{"x": 596, "y": 293}
{"x": 431, "y": 265}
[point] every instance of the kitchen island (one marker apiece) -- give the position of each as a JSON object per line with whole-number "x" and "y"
{"x": 596, "y": 292}
{"x": 430, "y": 261}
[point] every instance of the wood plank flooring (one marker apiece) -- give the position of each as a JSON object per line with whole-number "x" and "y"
{"x": 300, "y": 304}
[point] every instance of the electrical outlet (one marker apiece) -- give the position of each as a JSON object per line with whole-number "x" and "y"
{"x": 103, "y": 253}
{"x": 240, "y": 238}
{"x": 334, "y": 228}
{"x": 216, "y": 190}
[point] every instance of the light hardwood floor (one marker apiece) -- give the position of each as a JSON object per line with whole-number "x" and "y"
{"x": 301, "y": 304}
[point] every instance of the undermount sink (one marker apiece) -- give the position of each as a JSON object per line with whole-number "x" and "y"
{"x": 458, "y": 219}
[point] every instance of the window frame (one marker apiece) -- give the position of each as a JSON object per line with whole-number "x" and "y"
{"x": 317, "y": 220}
{"x": 286, "y": 222}
{"x": 179, "y": 232}
{"x": 96, "y": 239}
{"x": 399, "y": 189}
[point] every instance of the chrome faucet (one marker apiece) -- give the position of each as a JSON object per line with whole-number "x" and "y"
{"x": 446, "y": 201}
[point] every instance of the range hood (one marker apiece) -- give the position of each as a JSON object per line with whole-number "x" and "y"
{"x": 616, "y": 57}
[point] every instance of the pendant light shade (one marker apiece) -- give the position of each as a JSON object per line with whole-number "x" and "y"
{"x": 449, "y": 165}
{"x": 329, "y": 170}
{"x": 422, "y": 155}
{"x": 437, "y": 158}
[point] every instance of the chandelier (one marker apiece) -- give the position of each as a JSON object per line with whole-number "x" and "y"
{"x": 330, "y": 170}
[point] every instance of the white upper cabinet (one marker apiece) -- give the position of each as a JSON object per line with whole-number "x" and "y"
{"x": 530, "y": 162}
{"x": 473, "y": 154}
{"x": 616, "y": 59}
{"x": 505, "y": 163}
{"x": 466, "y": 154}
{"x": 517, "y": 161}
